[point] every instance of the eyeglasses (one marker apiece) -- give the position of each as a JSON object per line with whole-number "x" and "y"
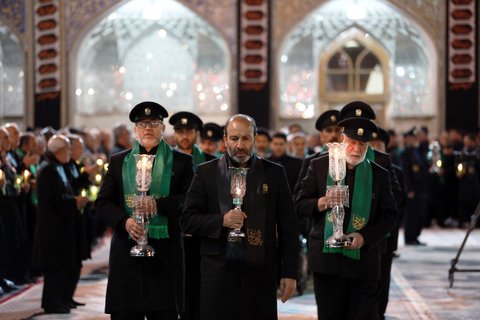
{"x": 150, "y": 124}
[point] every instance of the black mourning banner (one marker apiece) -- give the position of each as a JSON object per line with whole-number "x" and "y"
{"x": 462, "y": 65}
{"x": 253, "y": 61}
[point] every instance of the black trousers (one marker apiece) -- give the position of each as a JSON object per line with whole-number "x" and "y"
{"x": 59, "y": 286}
{"x": 345, "y": 298}
{"x": 385, "y": 270}
{"x": 150, "y": 315}
{"x": 415, "y": 216}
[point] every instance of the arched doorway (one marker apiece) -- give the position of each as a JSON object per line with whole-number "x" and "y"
{"x": 149, "y": 50}
{"x": 12, "y": 77}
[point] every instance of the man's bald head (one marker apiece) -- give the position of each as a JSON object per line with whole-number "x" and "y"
{"x": 59, "y": 145}
{"x": 241, "y": 118}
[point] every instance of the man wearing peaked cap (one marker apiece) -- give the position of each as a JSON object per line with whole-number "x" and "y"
{"x": 357, "y": 109}
{"x": 210, "y": 136}
{"x": 187, "y": 125}
{"x": 148, "y": 110}
{"x": 329, "y": 131}
{"x": 140, "y": 286}
{"x": 362, "y": 110}
{"x": 346, "y": 279}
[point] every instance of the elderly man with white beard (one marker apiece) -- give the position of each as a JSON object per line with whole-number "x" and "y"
{"x": 346, "y": 279}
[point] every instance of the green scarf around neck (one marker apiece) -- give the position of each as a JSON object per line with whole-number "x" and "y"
{"x": 370, "y": 154}
{"x": 160, "y": 188}
{"x": 198, "y": 156}
{"x": 360, "y": 213}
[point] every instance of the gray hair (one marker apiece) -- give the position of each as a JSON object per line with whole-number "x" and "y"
{"x": 57, "y": 142}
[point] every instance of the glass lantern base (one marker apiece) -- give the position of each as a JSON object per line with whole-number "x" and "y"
{"x": 342, "y": 242}
{"x": 236, "y": 234}
{"x": 142, "y": 251}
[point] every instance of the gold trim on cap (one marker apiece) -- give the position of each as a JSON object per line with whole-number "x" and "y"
{"x": 360, "y": 131}
{"x": 148, "y": 111}
{"x": 374, "y": 135}
{"x": 209, "y": 133}
{"x": 184, "y": 121}
{"x": 358, "y": 112}
{"x": 333, "y": 118}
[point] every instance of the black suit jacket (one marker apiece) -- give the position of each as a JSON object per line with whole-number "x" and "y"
{"x": 292, "y": 167}
{"x": 155, "y": 283}
{"x": 383, "y": 217}
{"x": 56, "y": 236}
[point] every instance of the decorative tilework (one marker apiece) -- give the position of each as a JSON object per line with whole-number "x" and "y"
{"x": 13, "y": 12}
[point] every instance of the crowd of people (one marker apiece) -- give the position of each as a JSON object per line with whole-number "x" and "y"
{"x": 61, "y": 190}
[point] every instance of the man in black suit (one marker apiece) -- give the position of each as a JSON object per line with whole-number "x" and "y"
{"x": 379, "y": 143}
{"x": 346, "y": 279}
{"x": 279, "y": 155}
{"x": 187, "y": 127}
{"x": 146, "y": 286}
{"x": 238, "y": 274}
{"x": 56, "y": 239}
{"x": 415, "y": 172}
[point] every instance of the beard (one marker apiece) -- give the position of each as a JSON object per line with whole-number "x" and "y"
{"x": 354, "y": 161}
{"x": 241, "y": 159}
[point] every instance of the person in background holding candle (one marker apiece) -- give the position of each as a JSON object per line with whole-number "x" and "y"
{"x": 148, "y": 286}
{"x": 246, "y": 289}
{"x": 56, "y": 244}
{"x": 80, "y": 180}
{"x": 187, "y": 127}
{"x": 346, "y": 280}
{"x": 10, "y": 224}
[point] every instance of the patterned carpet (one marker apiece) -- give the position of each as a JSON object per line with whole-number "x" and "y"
{"x": 419, "y": 289}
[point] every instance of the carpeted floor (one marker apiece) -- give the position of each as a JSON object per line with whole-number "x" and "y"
{"x": 419, "y": 289}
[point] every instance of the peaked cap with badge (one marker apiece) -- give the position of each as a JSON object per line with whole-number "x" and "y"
{"x": 412, "y": 132}
{"x": 357, "y": 109}
{"x": 382, "y": 135}
{"x": 148, "y": 110}
{"x": 211, "y": 131}
{"x": 358, "y": 128}
{"x": 185, "y": 120}
{"x": 327, "y": 119}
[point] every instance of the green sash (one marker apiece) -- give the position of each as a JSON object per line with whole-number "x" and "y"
{"x": 370, "y": 154}
{"x": 360, "y": 213}
{"x": 162, "y": 174}
{"x": 198, "y": 156}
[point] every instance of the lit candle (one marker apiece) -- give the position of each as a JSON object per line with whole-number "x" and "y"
{"x": 105, "y": 166}
{"x": 26, "y": 175}
{"x": 144, "y": 171}
{"x": 18, "y": 181}
{"x": 98, "y": 178}
{"x": 83, "y": 193}
{"x": 93, "y": 193}
{"x": 99, "y": 162}
{"x": 335, "y": 160}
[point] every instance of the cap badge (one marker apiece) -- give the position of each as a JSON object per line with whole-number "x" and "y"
{"x": 148, "y": 111}
{"x": 358, "y": 112}
{"x": 374, "y": 135}
{"x": 333, "y": 118}
{"x": 209, "y": 133}
{"x": 184, "y": 121}
{"x": 360, "y": 132}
